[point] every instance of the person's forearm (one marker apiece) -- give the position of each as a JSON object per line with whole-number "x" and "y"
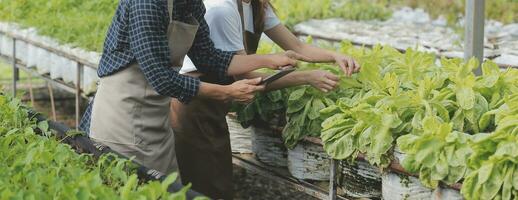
{"x": 288, "y": 41}
{"x": 290, "y": 80}
{"x": 242, "y": 64}
{"x": 316, "y": 54}
{"x": 242, "y": 91}
{"x": 213, "y": 91}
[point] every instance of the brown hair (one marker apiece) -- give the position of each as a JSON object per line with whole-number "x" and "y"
{"x": 259, "y": 13}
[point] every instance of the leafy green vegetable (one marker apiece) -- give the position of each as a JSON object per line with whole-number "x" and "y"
{"x": 389, "y": 95}
{"x": 393, "y": 96}
{"x": 303, "y": 114}
{"x": 39, "y": 167}
{"x": 264, "y": 108}
{"x": 268, "y": 108}
{"x": 438, "y": 154}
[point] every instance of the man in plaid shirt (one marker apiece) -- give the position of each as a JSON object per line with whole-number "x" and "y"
{"x": 139, "y": 33}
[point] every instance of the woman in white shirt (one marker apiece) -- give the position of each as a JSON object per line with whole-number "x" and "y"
{"x": 201, "y": 133}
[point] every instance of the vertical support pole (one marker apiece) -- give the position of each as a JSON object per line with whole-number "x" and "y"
{"x": 332, "y": 180}
{"x": 474, "y": 31}
{"x": 52, "y": 102}
{"x": 31, "y": 92}
{"x": 78, "y": 93}
{"x": 16, "y": 72}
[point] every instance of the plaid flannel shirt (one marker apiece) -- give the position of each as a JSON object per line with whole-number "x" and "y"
{"x": 139, "y": 33}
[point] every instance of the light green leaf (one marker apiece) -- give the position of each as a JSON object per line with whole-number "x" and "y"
{"x": 297, "y": 94}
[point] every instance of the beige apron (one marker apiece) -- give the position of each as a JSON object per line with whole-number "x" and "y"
{"x": 203, "y": 140}
{"x": 131, "y": 118}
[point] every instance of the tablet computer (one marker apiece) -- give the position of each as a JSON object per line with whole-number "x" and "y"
{"x": 276, "y": 76}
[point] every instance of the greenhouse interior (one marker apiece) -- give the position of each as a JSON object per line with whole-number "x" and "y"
{"x": 310, "y": 99}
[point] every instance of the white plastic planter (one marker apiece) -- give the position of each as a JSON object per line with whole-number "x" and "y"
{"x": 89, "y": 82}
{"x": 309, "y": 161}
{"x": 447, "y": 194}
{"x": 268, "y": 147}
{"x": 69, "y": 70}
{"x": 47, "y": 62}
{"x": 55, "y": 66}
{"x": 21, "y": 51}
{"x": 43, "y": 61}
{"x": 240, "y": 138}
{"x": 6, "y": 45}
{"x": 398, "y": 155}
{"x": 32, "y": 56}
{"x": 397, "y": 186}
{"x": 360, "y": 179}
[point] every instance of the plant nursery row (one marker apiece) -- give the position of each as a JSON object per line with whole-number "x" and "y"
{"x": 435, "y": 117}
{"x": 35, "y": 165}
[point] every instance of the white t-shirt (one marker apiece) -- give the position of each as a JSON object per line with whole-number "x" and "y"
{"x": 224, "y": 22}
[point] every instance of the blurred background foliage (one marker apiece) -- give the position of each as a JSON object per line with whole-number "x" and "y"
{"x": 84, "y": 23}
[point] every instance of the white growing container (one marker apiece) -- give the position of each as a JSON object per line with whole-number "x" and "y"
{"x": 69, "y": 67}
{"x": 309, "y": 161}
{"x": 89, "y": 82}
{"x": 69, "y": 70}
{"x": 21, "y": 51}
{"x": 56, "y": 71}
{"x": 43, "y": 61}
{"x": 90, "y": 78}
{"x": 360, "y": 179}
{"x": 398, "y": 155}
{"x": 6, "y": 45}
{"x": 397, "y": 186}
{"x": 240, "y": 138}
{"x": 442, "y": 193}
{"x": 268, "y": 147}
{"x": 32, "y": 56}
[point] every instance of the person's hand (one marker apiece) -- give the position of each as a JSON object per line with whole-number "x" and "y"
{"x": 281, "y": 60}
{"x": 347, "y": 64}
{"x": 322, "y": 80}
{"x": 243, "y": 91}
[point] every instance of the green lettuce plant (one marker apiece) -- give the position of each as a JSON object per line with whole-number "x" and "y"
{"x": 39, "y": 167}
{"x": 494, "y": 162}
{"x": 437, "y": 154}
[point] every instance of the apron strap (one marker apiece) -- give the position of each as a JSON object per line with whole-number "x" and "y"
{"x": 241, "y": 14}
{"x": 170, "y": 9}
{"x": 250, "y": 40}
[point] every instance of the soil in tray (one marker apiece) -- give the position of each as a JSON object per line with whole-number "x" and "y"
{"x": 249, "y": 186}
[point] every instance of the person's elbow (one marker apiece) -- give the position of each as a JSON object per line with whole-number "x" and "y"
{"x": 176, "y": 87}
{"x": 161, "y": 85}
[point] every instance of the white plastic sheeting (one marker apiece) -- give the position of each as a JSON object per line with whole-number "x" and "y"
{"x": 47, "y": 62}
{"x": 409, "y": 15}
{"x": 240, "y": 138}
{"x": 268, "y": 147}
{"x": 360, "y": 179}
{"x": 399, "y": 35}
{"x": 309, "y": 161}
{"x": 507, "y": 59}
